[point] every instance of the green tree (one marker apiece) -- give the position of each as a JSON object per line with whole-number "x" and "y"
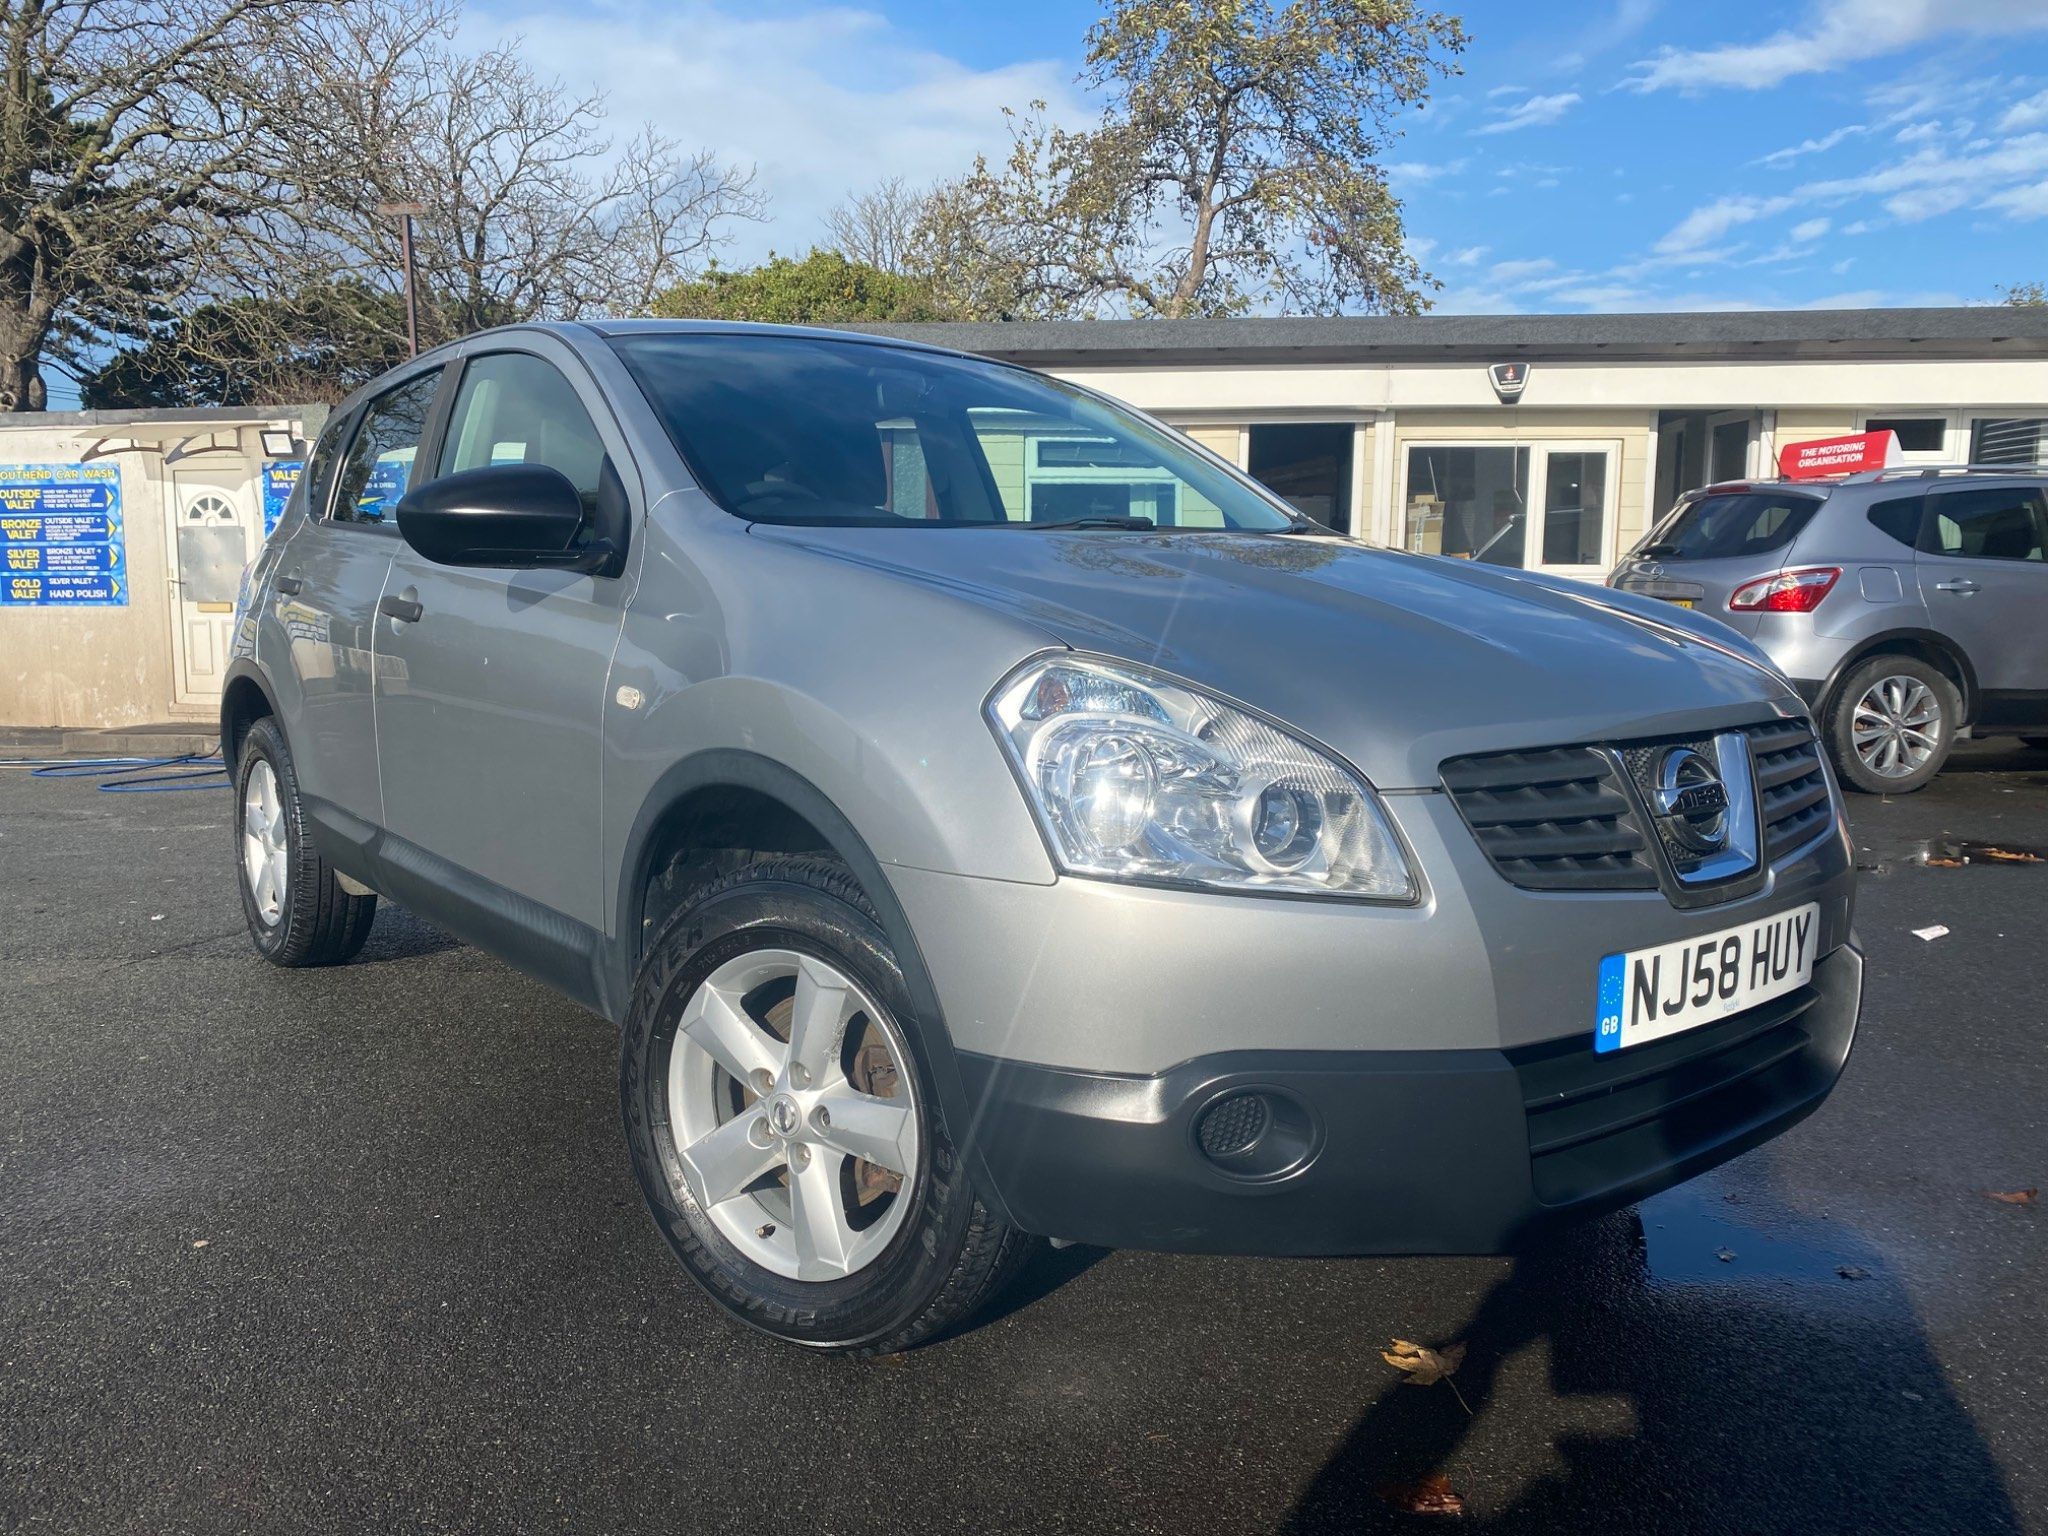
{"x": 236, "y": 353}
{"x": 1236, "y": 164}
{"x": 824, "y": 288}
{"x": 2028, "y": 295}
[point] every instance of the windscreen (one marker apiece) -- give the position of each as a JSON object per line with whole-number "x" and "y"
{"x": 793, "y": 429}
{"x": 1727, "y": 527}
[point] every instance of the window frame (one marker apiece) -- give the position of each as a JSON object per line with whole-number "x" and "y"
{"x": 429, "y": 442}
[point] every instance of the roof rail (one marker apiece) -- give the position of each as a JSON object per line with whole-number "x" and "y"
{"x": 1937, "y": 471}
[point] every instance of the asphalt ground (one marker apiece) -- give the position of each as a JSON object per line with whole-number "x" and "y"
{"x": 358, "y": 1250}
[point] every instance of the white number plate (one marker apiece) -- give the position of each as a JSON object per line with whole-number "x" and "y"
{"x": 1647, "y": 994}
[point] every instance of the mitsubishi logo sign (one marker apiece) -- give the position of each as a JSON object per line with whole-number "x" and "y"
{"x": 1508, "y": 380}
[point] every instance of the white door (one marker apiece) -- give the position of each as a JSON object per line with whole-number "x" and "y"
{"x": 214, "y": 531}
{"x": 1571, "y": 508}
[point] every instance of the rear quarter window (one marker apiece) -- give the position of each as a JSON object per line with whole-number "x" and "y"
{"x": 1732, "y": 525}
{"x": 1898, "y": 518}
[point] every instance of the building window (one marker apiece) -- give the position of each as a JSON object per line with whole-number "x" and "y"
{"x": 1915, "y": 434}
{"x": 2009, "y": 440}
{"x": 1308, "y": 466}
{"x": 1472, "y": 502}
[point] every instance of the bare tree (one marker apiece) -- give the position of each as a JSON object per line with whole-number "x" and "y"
{"x": 132, "y": 152}
{"x": 525, "y": 208}
{"x": 242, "y": 170}
{"x": 878, "y": 227}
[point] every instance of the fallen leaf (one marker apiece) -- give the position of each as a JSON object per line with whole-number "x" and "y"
{"x": 2012, "y": 1196}
{"x": 1852, "y": 1272}
{"x": 201, "y": 1242}
{"x": 1936, "y": 861}
{"x": 1939, "y": 930}
{"x": 1434, "y": 1495}
{"x": 1425, "y": 1367}
{"x": 2010, "y": 856}
{"x": 1725, "y": 1255}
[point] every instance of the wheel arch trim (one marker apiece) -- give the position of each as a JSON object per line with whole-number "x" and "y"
{"x": 243, "y": 671}
{"x": 1889, "y": 640}
{"x": 726, "y": 768}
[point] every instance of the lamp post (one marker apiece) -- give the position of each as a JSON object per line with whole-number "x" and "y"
{"x": 403, "y": 212}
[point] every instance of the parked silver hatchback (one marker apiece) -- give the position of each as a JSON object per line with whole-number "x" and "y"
{"x": 988, "y": 816}
{"x": 1908, "y": 606}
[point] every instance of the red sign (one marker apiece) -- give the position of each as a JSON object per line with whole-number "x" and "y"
{"x": 1835, "y": 455}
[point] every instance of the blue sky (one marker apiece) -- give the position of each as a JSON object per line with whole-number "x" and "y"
{"x": 1621, "y": 155}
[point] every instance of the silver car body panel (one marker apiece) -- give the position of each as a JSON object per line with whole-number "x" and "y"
{"x": 857, "y": 661}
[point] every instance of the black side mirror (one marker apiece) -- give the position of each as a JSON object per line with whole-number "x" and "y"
{"x": 505, "y": 516}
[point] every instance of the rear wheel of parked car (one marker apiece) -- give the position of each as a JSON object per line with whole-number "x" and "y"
{"x": 1892, "y": 724}
{"x": 784, "y": 1127}
{"x": 297, "y": 911}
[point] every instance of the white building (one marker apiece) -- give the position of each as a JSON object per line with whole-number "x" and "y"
{"x": 1393, "y": 429}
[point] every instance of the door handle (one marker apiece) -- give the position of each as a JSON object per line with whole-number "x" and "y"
{"x": 290, "y": 586}
{"x": 404, "y": 609}
{"x": 1963, "y": 585}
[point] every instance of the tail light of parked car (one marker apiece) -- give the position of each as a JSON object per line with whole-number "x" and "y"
{"x": 1797, "y": 591}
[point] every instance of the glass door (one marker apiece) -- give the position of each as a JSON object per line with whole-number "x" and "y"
{"x": 1540, "y": 506}
{"x": 1572, "y": 515}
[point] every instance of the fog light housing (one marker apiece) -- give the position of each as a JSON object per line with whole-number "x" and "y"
{"x": 1255, "y": 1133}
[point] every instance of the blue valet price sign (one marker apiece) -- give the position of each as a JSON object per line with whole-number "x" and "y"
{"x": 61, "y": 544}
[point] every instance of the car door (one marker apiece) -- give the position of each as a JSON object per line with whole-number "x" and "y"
{"x": 1983, "y": 572}
{"x": 490, "y": 703}
{"x": 324, "y": 595}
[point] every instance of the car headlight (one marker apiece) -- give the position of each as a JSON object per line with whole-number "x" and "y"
{"x": 1136, "y": 777}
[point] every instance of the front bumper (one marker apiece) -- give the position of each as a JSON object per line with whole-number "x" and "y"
{"x": 1405, "y": 1151}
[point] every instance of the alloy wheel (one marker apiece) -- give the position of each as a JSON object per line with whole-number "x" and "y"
{"x": 794, "y": 1114}
{"x": 1896, "y": 726}
{"x": 264, "y": 862}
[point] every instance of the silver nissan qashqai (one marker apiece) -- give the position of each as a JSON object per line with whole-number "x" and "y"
{"x": 989, "y": 816}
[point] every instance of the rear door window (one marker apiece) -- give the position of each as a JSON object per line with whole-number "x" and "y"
{"x": 1731, "y": 526}
{"x": 1996, "y": 523}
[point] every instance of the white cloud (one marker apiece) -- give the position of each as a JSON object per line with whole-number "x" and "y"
{"x": 847, "y": 99}
{"x": 1817, "y": 146}
{"x": 2023, "y": 202}
{"x": 1533, "y": 112}
{"x": 1508, "y": 273}
{"x": 2031, "y": 113}
{"x": 1506, "y": 90}
{"x": 1935, "y": 171}
{"x": 1694, "y": 235}
{"x": 1806, "y": 231}
{"x": 1922, "y": 203}
{"x": 1918, "y": 133}
{"x": 1467, "y": 256}
{"x": 1838, "y": 33}
{"x": 1420, "y": 173}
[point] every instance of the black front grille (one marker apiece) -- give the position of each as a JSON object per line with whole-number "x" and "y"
{"x": 1563, "y": 819}
{"x": 1598, "y": 1121}
{"x": 1791, "y": 784}
{"x": 1553, "y": 820}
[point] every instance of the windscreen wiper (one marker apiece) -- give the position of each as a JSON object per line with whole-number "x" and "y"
{"x": 1105, "y": 520}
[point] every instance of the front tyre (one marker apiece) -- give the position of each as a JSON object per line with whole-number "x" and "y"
{"x": 1892, "y": 724}
{"x": 297, "y": 912}
{"x": 783, "y": 1125}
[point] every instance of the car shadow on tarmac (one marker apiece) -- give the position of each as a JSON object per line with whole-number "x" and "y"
{"x": 1788, "y": 1387}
